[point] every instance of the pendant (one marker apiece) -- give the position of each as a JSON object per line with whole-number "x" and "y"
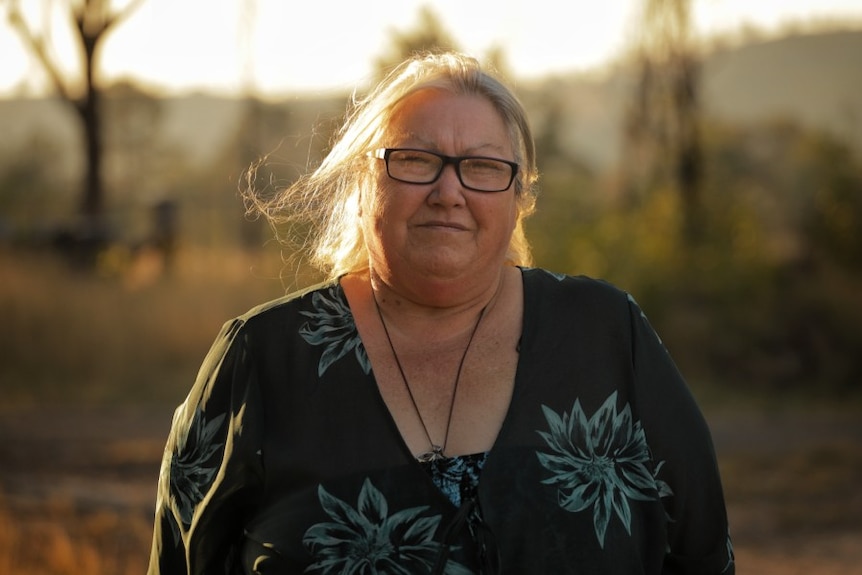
{"x": 435, "y": 454}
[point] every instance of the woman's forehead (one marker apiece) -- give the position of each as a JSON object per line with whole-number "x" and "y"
{"x": 434, "y": 117}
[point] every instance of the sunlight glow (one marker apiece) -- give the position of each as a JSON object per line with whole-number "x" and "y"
{"x": 276, "y": 47}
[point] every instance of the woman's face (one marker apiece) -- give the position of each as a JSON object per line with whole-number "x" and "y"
{"x": 440, "y": 230}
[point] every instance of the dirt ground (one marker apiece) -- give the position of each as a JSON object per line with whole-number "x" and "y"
{"x": 793, "y": 482}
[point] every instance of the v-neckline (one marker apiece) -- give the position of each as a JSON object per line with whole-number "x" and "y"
{"x": 516, "y": 387}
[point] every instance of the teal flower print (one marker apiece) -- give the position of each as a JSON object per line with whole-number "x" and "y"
{"x": 643, "y": 317}
{"x": 731, "y": 561}
{"x": 369, "y": 541}
{"x": 601, "y": 462}
{"x": 556, "y": 275}
{"x": 193, "y": 467}
{"x": 331, "y": 324}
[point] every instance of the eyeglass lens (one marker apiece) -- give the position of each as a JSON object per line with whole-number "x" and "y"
{"x": 422, "y": 167}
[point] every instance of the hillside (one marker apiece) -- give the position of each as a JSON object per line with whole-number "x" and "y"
{"x": 813, "y": 79}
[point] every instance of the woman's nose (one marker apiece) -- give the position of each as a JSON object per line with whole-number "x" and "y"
{"x": 448, "y": 188}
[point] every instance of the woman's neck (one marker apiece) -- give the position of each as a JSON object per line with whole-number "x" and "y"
{"x": 428, "y": 312}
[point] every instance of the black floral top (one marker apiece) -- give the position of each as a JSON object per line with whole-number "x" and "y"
{"x": 284, "y": 458}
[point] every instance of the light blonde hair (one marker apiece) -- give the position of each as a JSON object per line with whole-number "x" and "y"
{"x": 325, "y": 203}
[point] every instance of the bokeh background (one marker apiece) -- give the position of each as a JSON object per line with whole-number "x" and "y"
{"x": 705, "y": 155}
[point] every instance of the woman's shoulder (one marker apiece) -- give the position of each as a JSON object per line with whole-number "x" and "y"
{"x": 556, "y": 296}
{"x": 546, "y": 283}
{"x": 289, "y": 305}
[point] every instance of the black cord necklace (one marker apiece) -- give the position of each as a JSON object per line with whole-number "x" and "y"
{"x": 437, "y": 451}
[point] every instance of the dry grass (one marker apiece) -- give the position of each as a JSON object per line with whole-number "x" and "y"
{"x": 807, "y": 491}
{"x": 128, "y": 333}
{"x": 56, "y": 538}
{"x": 792, "y": 514}
{"x": 82, "y": 355}
{"x": 791, "y": 474}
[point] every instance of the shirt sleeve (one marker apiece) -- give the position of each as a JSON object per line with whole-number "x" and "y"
{"x": 698, "y": 539}
{"x": 211, "y": 471}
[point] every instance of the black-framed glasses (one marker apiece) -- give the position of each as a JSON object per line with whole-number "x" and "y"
{"x": 477, "y": 173}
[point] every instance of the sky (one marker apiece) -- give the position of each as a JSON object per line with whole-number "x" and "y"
{"x": 305, "y": 46}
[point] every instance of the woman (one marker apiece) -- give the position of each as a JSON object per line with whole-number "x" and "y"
{"x": 436, "y": 406}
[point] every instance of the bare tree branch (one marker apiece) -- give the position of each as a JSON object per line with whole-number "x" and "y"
{"x": 123, "y": 14}
{"x": 90, "y": 20}
{"x": 93, "y": 19}
{"x": 663, "y": 120}
{"x": 38, "y": 46}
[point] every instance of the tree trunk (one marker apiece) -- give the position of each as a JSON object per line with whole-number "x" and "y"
{"x": 92, "y": 205}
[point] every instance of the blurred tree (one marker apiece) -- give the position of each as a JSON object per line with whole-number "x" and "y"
{"x": 132, "y": 151}
{"x": 257, "y": 117}
{"x": 29, "y": 184}
{"x": 780, "y": 265}
{"x": 662, "y": 140}
{"x": 90, "y": 21}
{"x": 569, "y": 187}
{"x": 428, "y": 35}
{"x": 833, "y": 224}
